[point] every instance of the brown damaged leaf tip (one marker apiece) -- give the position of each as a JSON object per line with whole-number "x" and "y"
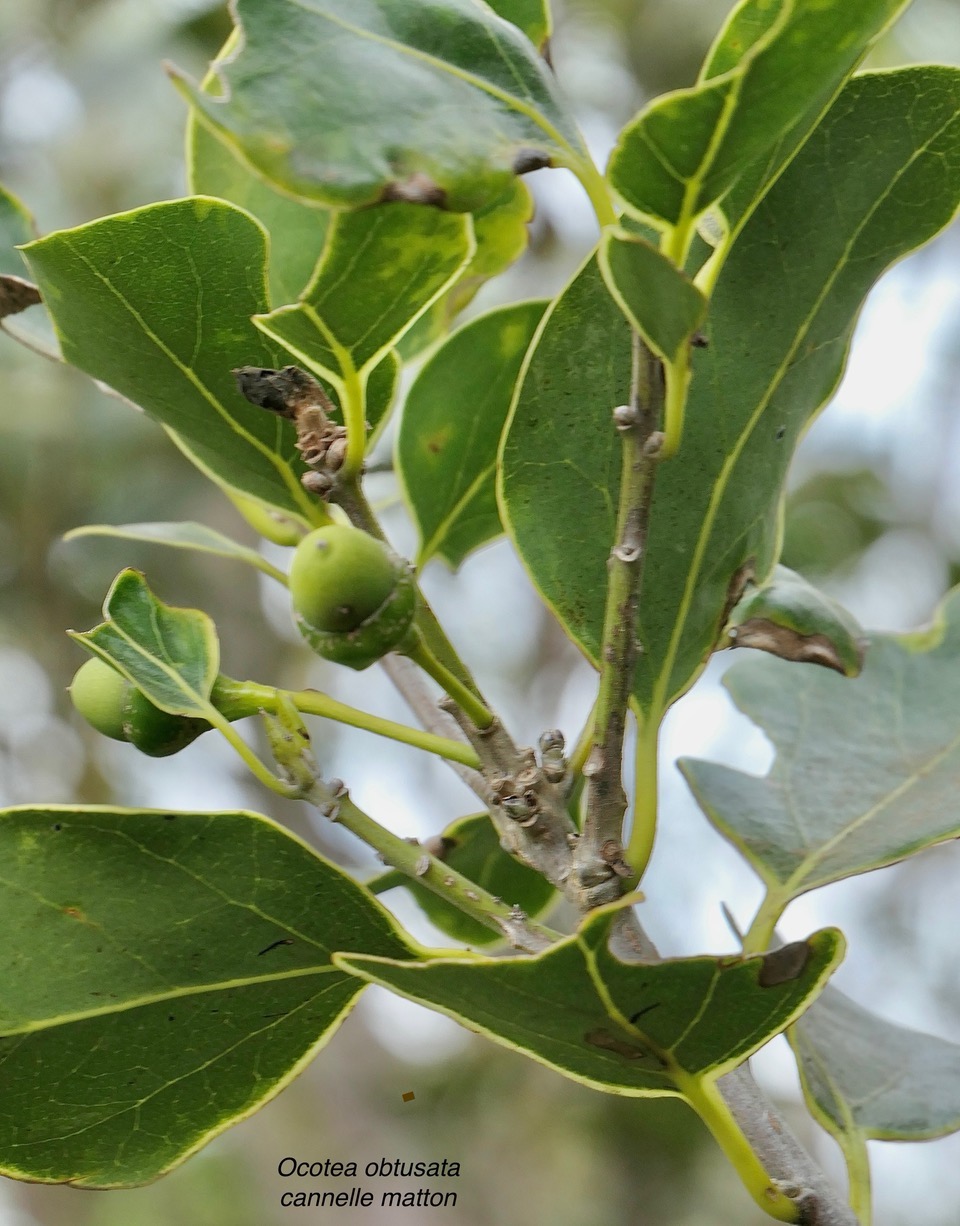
{"x": 790, "y": 645}
{"x": 16, "y": 294}
{"x": 284, "y": 392}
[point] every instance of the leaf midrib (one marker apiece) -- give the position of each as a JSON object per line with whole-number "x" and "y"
{"x": 276, "y": 462}
{"x": 511, "y": 100}
{"x": 660, "y": 695}
{"x": 140, "y": 1002}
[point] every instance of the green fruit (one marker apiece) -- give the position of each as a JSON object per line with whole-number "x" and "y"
{"x": 353, "y": 598}
{"x": 115, "y": 707}
{"x": 99, "y": 693}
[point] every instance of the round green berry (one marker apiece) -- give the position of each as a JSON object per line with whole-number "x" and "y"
{"x": 99, "y": 693}
{"x": 353, "y": 598}
{"x": 115, "y": 707}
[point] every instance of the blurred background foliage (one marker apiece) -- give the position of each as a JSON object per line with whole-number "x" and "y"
{"x": 88, "y": 126}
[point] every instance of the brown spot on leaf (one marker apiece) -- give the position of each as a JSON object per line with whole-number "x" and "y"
{"x": 608, "y": 1042}
{"x": 418, "y": 188}
{"x": 16, "y": 294}
{"x": 783, "y": 965}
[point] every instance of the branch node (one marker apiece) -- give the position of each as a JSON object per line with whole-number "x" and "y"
{"x": 625, "y": 417}
{"x": 654, "y": 445}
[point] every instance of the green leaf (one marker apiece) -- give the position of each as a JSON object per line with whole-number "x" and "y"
{"x": 380, "y": 269}
{"x": 157, "y": 304}
{"x": 16, "y": 293}
{"x": 779, "y": 327}
{"x": 471, "y": 846}
{"x": 450, "y": 431}
{"x": 775, "y": 67}
{"x": 532, "y": 16}
{"x": 16, "y": 227}
{"x": 186, "y": 535}
{"x": 451, "y": 99}
{"x": 866, "y": 1078}
{"x": 660, "y": 301}
{"x": 792, "y": 619}
{"x": 297, "y": 228}
{"x": 171, "y": 655}
{"x": 866, "y": 773}
{"x": 571, "y": 1006}
{"x": 500, "y": 232}
{"x": 177, "y": 976}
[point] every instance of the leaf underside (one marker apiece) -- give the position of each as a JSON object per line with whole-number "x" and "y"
{"x": 867, "y": 1078}
{"x": 866, "y": 772}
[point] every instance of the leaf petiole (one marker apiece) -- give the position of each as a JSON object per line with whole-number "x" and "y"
{"x": 251, "y": 696}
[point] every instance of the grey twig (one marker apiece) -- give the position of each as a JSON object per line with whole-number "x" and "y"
{"x": 599, "y": 857}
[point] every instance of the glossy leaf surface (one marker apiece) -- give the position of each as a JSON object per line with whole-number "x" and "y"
{"x": 500, "y": 233}
{"x": 297, "y": 228}
{"x": 663, "y": 304}
{"x": 450, "y": 431}
{"x": 532, "y": 17}
{"x": 774, "y": 65}
{"x": 157, "y": 304}
{"x": 779, "y": 326}
{"x": 380, "y": 269}
{"x": 179, "y": 976}
{"x": 171, "y": 655}
{"x": 570, "y": 1007}
{"x": 866, "y": 772}
{"x": 452, "y": 94}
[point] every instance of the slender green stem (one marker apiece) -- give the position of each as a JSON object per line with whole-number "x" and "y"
{"x": 676, "y": 242}
{"x": 444, "y": 881}
{"x": 468, "y": 702}
{"x": 676, "y": 246}
{"x": 597, "y": 189}
{"x": 581, "y": 751}
{"x": 705, "y": 1099}
{"x": 644, "y": 827}
{"x": 354, "y": 409}
{"x": 858, "y": 1173}
{"x": 760, "y": 933}
{"x": 257, "y": 768}
{"x": 247, "y": 697}
{"x": 311, "y": 702}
